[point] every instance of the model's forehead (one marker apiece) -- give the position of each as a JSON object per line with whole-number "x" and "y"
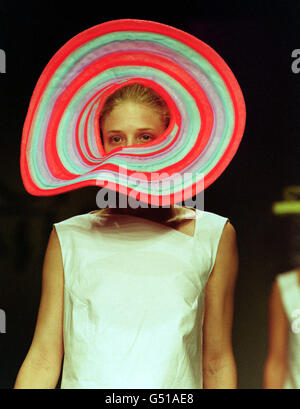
{"x": 136, "y": 114}
{"x": 131, "y": 107}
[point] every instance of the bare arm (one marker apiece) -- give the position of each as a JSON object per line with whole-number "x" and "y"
{"x": 42, "y": 365}
{"x": 219, "y": 369}
{"x": 276, "y": 362}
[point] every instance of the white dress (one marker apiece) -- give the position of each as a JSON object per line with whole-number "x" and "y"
{"x": 290, "y": 295}
{"x": 134, "y": 300}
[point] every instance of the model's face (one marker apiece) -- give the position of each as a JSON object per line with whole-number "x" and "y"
{"x": 131, "y": 124}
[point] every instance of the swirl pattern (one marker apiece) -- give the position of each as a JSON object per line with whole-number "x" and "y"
{"x": 61, "y": 147}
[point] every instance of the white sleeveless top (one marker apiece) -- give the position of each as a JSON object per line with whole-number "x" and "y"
{"x": 134, "y": 300}
{"x": 290, "y": 295}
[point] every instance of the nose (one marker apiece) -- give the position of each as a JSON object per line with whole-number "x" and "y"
{"x": 129, "y": 140}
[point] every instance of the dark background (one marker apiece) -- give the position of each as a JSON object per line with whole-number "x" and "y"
{"x": 256, "y": 40}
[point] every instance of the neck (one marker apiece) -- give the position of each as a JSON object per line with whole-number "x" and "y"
{"x": 158, "y": 212}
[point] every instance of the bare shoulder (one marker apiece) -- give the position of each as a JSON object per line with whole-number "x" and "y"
{"x": 226, "y": 264}
{"x": 275, "y": 288}
{"x": 53, "y": 242}
{"x": 228, "y": 242}
{"x": 53, "y": 262}
{"x": 229, "y": 232}
{"x": 275, "y": 295}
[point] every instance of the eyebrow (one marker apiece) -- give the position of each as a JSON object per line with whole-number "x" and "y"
{"x": 140, "y": 129}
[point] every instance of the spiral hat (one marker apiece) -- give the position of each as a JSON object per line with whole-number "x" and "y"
{"x": 61, "y": 148}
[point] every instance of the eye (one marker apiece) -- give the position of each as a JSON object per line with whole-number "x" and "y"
{"x": 146, "y": 137}
{"x": 115, "y": 139}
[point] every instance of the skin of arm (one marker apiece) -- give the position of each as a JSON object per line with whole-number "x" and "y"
{"x": 42, "y": 365}
{"x": 275, "y": 367}
{"x": 219, "y": 368}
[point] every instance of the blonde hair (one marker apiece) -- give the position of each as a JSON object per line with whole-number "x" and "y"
{"x": 139, "y": 94}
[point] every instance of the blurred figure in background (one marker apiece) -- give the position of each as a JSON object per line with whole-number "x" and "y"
{"x": 282, "y": 366}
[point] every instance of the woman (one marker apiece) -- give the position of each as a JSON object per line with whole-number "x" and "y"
{"x": 124, "y": 290}
{"x": 282, "y": 366}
